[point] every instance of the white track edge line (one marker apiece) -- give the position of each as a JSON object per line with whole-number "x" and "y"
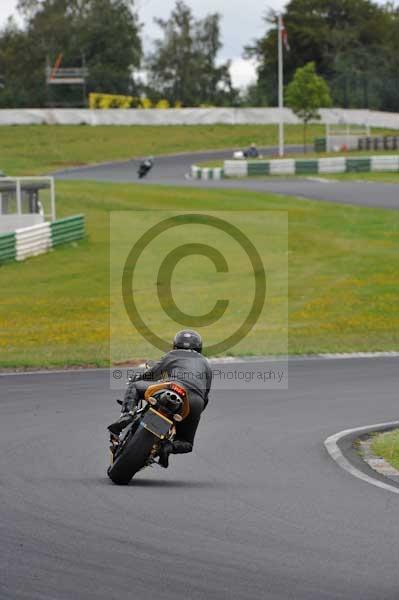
{"x": 331, "y": 445}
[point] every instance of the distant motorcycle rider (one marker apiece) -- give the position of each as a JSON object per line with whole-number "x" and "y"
{"x": 252, "y": 151}
{"x": 145, "y": 167}
{"x": 186, "y": 366}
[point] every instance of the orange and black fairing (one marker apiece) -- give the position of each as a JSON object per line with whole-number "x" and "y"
{"x": 178, "y": 389}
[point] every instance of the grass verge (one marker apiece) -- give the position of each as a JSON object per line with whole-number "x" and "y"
{"x": 343, "y": 265}
{"x": 38, "y": 149}
{"x": 386, "y": 445}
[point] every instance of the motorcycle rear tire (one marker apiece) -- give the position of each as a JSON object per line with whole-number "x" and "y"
{"x": 133, "y": 457}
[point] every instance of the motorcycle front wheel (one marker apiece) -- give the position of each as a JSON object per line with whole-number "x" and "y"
{"x": 133, "y": 456}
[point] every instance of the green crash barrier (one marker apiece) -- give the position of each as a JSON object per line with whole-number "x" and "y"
{"x": 303, "y": 167}
{"x": 258, "y": 168}
{"x": 67, "y": 230}
{"x": 7, "y": 247}
{"x": 358, "y": 165}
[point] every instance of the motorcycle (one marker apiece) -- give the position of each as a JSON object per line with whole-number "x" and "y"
{"x": 152, "y": 422}
{"x": 145, "y": 167}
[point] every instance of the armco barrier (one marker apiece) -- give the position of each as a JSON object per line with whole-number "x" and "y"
{"x": 290, "y": 166}
{"x": 31, "y": 241}
{"x": 7, "y": 247}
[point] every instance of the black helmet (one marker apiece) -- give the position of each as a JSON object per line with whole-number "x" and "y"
{"x": 187, "y": 339}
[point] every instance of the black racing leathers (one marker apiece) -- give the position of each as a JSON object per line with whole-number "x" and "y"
{"x": 192, "y": 371}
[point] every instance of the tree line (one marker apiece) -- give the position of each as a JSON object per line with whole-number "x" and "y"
{"x": 353, "y": 44}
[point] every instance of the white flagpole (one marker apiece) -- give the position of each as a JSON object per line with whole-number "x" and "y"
{"x": 280, "y": 87}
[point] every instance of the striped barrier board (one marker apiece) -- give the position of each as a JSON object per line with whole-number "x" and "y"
{"x": 290, "y": 166}
{"x": 37, "y": 239}
{"x": 206, "y": 173}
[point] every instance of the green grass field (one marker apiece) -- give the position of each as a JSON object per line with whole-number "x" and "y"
{"x": 387, "y": 446}
{"x": 39, "y": 149}
{"x": 343, "y": 284}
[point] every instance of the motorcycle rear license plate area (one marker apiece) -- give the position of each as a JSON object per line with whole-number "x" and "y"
{"x": 156, "y": 423}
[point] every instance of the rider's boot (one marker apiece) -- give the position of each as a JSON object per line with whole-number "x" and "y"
{"x": 175, "y": 447}
{"x": 126, "y": 417}
{"x": 124, "y": 420}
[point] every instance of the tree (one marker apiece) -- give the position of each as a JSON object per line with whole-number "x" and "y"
{"x": 183, "y": 66}
{"x": 306, "y": 93}
{"x": 105, "y": 32}
{"x": 110, "y": 38}
{"x": 351, "y": 42}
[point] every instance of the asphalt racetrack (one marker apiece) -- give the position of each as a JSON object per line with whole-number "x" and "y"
{"x": 258, "y": 510}
{"x": 173, "y": 170}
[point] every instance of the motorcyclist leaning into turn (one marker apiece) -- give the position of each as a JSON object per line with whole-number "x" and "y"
{"x": 186, "y": 366}
{"x": 145, "y": 166}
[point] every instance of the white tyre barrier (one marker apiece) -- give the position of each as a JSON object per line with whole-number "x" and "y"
{"x": 332, "y": 165}
{"x": 31, "y": 241}
{"x": 206, "y": 172}
{"x": 385, "y": 163}
{"x": 282, "y": 167}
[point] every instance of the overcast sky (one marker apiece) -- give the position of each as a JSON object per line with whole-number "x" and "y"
{"x": 241, "y": 23}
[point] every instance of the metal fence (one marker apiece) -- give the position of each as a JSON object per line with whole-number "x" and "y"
{"x": 386, "y": 142}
